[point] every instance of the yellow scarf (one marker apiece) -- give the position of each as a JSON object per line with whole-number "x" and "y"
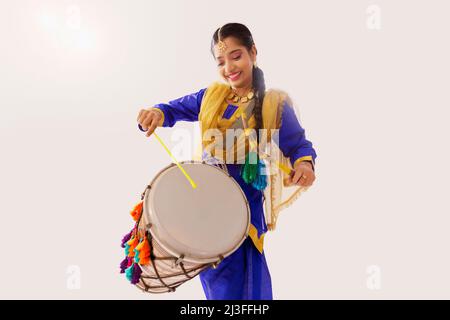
{"x": 209, "y": 117}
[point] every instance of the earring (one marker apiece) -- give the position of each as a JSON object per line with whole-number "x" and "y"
{"x": 255, "y": 65}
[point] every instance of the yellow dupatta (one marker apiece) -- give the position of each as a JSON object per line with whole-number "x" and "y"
{"x": 277, "y": 195}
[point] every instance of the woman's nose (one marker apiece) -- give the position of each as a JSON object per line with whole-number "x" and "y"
{"x": 229, "y": 68}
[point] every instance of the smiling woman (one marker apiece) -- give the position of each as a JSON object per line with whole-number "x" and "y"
{"x": 235, "y": 63}
{"x": 243, "y": 102}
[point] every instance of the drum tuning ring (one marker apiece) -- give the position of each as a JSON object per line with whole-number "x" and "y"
{"x": 180, "y": 258}
{"x": 216, "y": 263}
{"x": 143, "y": 193}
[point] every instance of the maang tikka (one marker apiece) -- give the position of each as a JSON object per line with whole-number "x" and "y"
{"x": 220, "y": 44}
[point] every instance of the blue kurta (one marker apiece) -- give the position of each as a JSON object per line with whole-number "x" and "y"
{"x": 244, "y": 274}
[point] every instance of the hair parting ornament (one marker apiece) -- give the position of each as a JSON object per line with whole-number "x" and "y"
{"x": 221, "y": 45}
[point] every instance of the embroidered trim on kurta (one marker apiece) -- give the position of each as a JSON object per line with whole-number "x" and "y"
{"x": 305, "y": 158}
{"x": 161, "y": 122}
{"x": 257, "y": 241}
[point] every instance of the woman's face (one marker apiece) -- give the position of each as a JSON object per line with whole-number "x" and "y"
{"x": 235, "y": 64}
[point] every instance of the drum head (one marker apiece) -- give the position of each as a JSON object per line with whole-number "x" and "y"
{"x": 201, "y": 223}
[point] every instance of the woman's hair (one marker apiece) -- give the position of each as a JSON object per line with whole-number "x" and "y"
{"x": 243, "y": 35}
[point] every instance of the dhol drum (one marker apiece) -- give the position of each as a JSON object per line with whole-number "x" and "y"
{"x": 180, "y": 231}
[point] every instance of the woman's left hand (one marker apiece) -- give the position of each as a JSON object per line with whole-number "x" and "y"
{"x": 304, "y": 175}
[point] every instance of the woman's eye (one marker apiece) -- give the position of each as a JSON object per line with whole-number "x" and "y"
{"x": 235, "y": 58}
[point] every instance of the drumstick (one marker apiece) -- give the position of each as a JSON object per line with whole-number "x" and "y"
{"x": 193, "y": 184}
{"x": 285, "y": 169}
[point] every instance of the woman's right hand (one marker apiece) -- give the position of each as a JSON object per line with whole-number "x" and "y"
{"x": 148, "y": 120}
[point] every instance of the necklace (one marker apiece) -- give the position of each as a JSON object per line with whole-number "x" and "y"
{"x": 236, "y": 98}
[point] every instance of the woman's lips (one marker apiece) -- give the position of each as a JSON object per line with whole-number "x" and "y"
{"x": 234, "y": 76}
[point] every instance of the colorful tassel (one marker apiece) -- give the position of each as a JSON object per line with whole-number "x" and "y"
{"x": 130, "y": 246}
{"x": 136, "y": 275}
{"x": 133, "y": 273}
{"x": 260, "y": 183}
{"x": 136, "y": 250}
{"x": 129, "y": 272}
{"x": 137, "y": 211}
{"x": 142, "y": 252}
{"x": 130, "y": 262}
{"x": 126, "y": 238}
{"x": 125, "y": 264}
{"x": 145, "y": 253}
{"x": 249, "y": 170}
{"x": 137, "y": 271}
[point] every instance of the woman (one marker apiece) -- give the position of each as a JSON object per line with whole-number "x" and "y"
{"x": 243, "y": 103}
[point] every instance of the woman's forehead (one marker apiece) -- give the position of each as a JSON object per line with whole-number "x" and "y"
{"x": 231, "y": 45}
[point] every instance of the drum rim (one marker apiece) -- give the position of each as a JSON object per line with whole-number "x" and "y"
{"x": 148, "y": 227}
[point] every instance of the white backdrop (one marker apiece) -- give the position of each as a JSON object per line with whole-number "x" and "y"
{"x": 370, "y": 80}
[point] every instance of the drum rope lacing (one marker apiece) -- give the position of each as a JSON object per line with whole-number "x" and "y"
{"x": 177, "y": 261}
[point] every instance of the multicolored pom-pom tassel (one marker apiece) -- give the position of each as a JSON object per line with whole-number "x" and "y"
{"x": 137, "y": 211}
{"x": 249, "y": 170}
{"x": 125, "y": 264}
{"x": 260, "y": 183}
{"x": 254, "y": 171}
{"x": 133, "y": 273}
{"x": 137, "y": 249}
{"x": 126, "y": 238}
{"x": 142, "y": 252}
{"x": 130, "y": 246}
